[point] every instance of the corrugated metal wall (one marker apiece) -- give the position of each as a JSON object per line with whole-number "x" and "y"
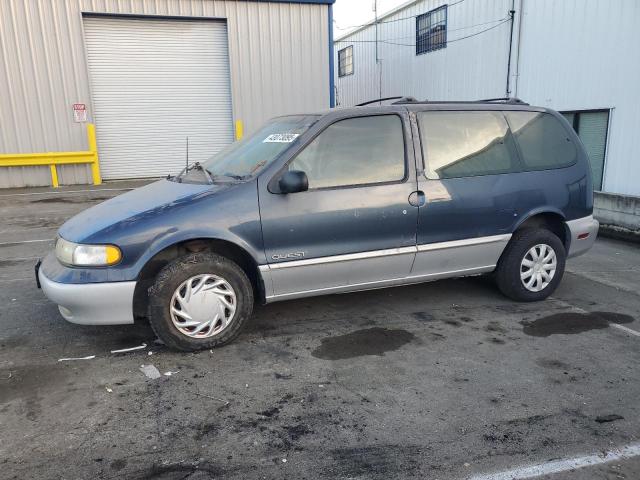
{"x": 585, "y": 54}
{"x": 277, "y": 52}
{"x": 466, "y": 69}
{"x": 573, "y": 55}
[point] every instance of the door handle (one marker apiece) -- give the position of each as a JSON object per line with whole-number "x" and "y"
{"x": 417, "y": 198}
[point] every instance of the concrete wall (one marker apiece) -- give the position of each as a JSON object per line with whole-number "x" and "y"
{"x": 278, "y": 53}
{"x": 618, "y": 214}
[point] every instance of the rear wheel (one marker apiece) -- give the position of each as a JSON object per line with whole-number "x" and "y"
{"x": 199, "y": 301}
{"x": 531, "y": 266}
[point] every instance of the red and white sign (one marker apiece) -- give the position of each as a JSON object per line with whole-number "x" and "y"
{"x": 79, "y": 112}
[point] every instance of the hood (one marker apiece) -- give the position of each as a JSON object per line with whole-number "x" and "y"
{"x": 144, "y": 202}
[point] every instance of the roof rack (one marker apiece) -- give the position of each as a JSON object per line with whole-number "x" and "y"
{"x": 405, "y": 100}
{"x": 378, "y": 100}
{"x": 510, "y": 100}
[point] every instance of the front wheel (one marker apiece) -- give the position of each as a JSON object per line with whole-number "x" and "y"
{"x": 531, "y": 266}
{"x": 198, "y": 301}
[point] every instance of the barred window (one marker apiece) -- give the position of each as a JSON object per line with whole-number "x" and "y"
{"x": 345, "y": 61}
{"x": 431, "y": 30}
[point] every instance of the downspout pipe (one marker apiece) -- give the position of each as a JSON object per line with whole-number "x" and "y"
{"x": 512, "y": 13}
{"x": 518, "y": 45}
{"x": 332, "y": 88}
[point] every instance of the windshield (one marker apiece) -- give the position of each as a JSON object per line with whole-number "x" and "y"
{"x": 248, "y": 156}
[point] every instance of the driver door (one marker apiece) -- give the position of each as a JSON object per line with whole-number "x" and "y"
{"x": 354, "y": 228}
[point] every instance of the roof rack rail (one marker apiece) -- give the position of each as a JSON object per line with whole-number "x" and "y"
{"x": 379, "y": 100}
{"x": 511, "y": 100}
{"x": 405, "y": 100}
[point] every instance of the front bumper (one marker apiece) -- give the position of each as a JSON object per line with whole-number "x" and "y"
{"x": 583, "y": 235}
{"x": 108, "y": 303}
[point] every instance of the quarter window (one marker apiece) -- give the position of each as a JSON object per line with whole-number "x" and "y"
{"x": 544, "y": 143}
{"x": 345, "y": 61}
{"x": 466, "y": 144}
{"x": 431, "y": 30}
{"x": 355, "y": 151}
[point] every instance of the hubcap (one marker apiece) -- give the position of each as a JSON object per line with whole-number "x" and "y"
{"x": 203, "y": 306}
{"x": 538, "y": 267}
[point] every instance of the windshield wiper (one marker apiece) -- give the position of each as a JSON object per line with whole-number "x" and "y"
{"x": 198, "y": 166}
{"x": 232, "y": 177}
{"x": 211, "y": 178}
{"x": 195, "y": 166}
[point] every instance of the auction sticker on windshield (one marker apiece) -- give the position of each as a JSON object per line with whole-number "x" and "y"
{"x": 281, "y": 138}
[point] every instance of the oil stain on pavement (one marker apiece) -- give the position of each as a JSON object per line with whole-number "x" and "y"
{"x": 370, "y": 341}
{"x": 81, "y": 200}
{"x": 572, "y": 323}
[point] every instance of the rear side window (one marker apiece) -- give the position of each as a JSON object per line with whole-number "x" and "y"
{"x": 466, "y": 144}
{"x": 355, "y": 151}
{"x": 544, "y": 143}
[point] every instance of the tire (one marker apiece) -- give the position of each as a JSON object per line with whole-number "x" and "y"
{"x": 224, "y": 301}
{"x": 512, "y": 265}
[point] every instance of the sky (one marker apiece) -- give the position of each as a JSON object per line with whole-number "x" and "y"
{"x": 347, "y": 13}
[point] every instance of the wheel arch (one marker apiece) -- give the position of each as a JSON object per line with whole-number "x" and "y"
{"x": 168, "y": 253}
{"x": 551, "y": 219}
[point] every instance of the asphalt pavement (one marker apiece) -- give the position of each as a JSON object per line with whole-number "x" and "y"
{"x": 444, "y": 380}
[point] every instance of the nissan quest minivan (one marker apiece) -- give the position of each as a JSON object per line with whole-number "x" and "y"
{"x": 332, "y": 202}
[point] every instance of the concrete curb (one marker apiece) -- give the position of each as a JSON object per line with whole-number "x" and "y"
{"x": 619, "y": 233}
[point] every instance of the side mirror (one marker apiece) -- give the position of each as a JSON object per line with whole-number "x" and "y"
{"x": 293, "y": 181}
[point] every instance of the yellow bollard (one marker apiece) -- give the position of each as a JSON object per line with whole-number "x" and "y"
{"x": 239, "y": 130}
{"x": 54, "y": 176}
{"x": 93, "y": 148}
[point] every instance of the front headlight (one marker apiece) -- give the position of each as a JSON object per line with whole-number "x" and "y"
{"x": 79, "y": 255}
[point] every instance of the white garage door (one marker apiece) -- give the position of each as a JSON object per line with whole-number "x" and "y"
{"x": 155, "y": 83}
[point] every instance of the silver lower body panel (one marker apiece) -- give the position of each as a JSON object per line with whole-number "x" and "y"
{"x": 459, "y": 255}
{"x": 586, "y": 227}
{"x": 91, "y": 303}
{"x": 382, "y": 268}
{"x": 356, "y": 287}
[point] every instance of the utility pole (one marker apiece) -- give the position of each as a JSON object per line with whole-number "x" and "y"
{"x": 378, "y": 63}
{"x": 375, "y": 13}
{"x": 512, "y": 14}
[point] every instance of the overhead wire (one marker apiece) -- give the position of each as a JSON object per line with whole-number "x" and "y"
{"x": 390, "y": 42}
{"x": 467, "y": 27}
{"x": 372, "y": 22}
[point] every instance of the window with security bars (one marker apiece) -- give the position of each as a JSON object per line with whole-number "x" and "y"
{"x": 431, "y": 30}
{"x": 345, "y": 61}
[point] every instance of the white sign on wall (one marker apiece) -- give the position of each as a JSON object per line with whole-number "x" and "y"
{"x": 79, "y": 112}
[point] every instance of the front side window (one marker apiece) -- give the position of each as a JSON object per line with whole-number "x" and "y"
{"x": 466, "y": 144}
{"x": 248, "y": 156}
{"x": 345, "y": 61}
{"x": 543, "y": 141}
{"x": 431, "y": 30}
{"x": 355, "y": 151}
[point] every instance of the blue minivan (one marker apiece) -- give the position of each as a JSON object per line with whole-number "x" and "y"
{"x": 331, "y": 202}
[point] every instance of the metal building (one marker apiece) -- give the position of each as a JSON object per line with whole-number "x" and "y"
{"x": 580, "y": 57}
{"x": 149, "y": 74}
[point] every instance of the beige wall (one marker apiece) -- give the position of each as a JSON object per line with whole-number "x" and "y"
{"x": 278, "y": 55}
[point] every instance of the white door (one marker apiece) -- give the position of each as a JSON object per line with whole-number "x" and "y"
{"x": 155, "y": 83}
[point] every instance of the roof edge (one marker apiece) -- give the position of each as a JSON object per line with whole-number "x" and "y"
{"x": 372, "y": 22}
{"x": 317, "y": 2}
